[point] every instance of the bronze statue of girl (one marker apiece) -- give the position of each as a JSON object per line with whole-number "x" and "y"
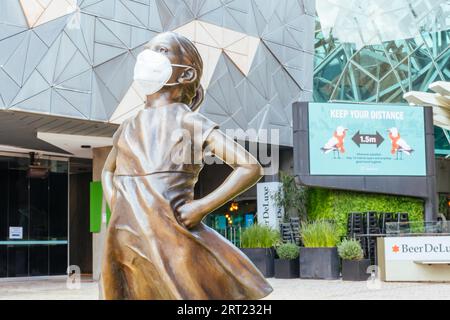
{"x": 157, "y": 246}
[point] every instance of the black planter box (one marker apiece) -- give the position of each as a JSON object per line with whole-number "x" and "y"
{"x": 355, "y": 270}
{"x": 287, "y": 269}
{"x": 319, "y": 263}
{"x": 263, "y": 259}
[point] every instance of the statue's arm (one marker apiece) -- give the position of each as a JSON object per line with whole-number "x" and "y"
{"x": 108, "y": 175}
{"x": 247, "y": 172}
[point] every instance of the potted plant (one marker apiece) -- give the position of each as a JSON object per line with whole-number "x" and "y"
{"x": 287, "y": 266}
{"x": 319, "y": 257}
{"x": 258, "y": 242}
{"x": 354, "y": 266}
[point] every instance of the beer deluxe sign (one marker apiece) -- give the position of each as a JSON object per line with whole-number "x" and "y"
{"x": 418, "y": 249}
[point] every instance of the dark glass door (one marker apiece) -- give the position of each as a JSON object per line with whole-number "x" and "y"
{"x": 18, "y": 218}
{"x": 4, "y": 196}
{"x": 33, "y": 219}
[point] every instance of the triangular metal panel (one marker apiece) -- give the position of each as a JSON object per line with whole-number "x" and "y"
{"x": 60, "y": 106}
{"x": 35, "y": 85}
{"x": 39, "y": 102}
{"x": 83, "y": 37}
{"x": 48, "y": 32}
{"x": 80, "y": 101}
{"x": 132, "y": 12}
{"x": 103, "y": 102}
{"x": 12, "y": 19}
{"x": 8, "y": 88}
{"x": 36, "y": 51}
{"x": 81, "y": 82}
{"x": 117, "y": 74}
{"x": 9, "y": 46}
{"x": 15, "y": 65}
{"x": 173, "y": 13}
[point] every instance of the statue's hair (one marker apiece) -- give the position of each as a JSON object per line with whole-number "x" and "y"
{"x": 190, "y": 50}
{"x": 196, "y": 93}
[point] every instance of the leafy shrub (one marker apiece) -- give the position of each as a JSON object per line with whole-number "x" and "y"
{"x": 258, "y": 236}
{"x": 291, "y": 196}
{"x": 288, "y": 251}
{"x": 319, "y": 234}
{"x": 350, "y": 250}
{"x": 336, "y": 205}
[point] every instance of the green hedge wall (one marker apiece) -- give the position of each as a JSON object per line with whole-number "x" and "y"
{"x": 336, "y": 205}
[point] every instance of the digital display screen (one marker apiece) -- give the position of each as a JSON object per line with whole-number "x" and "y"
{"x": 366, "y": 140}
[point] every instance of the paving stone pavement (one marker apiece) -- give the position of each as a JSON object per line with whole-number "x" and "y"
{"x": 298, "y": 289}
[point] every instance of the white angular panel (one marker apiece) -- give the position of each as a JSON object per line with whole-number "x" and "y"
{"x": 210, "y": 57}
{"x": 439, "y": 101}
{"x": 240, "y": 47}
{"x": 132, "y": 103}
{"x": 56, "y": 9}
{"x": 38, "y": 12}
{"x": 243, "y": 53}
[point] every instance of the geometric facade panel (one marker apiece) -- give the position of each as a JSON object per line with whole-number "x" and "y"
{"x": 12, "y": 19}
{"x": 75, "y": 58}
{"x": 287, "y": 36}
{"x": 38, "y": 12}
{"x": 212, "y": 40}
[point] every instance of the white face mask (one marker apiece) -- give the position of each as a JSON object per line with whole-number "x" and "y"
{"x": 152, "y": 71}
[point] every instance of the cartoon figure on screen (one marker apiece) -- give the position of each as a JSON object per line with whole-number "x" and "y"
{"x": 157, "y": 246}
{"x": 399, "y": 145}
{"x": 337, "y": 143}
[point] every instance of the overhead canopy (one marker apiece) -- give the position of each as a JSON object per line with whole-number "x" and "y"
{"x": 40, "y": 132}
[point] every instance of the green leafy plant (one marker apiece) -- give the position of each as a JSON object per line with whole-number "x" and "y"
{"x": 258, "y": 236}
{"x": 288, "y": 251}
{"x": 350, "y": 250}
{"x": 443, "y": 204}
{"x": 336, "y": 205}
{"x": 291, "y": 197}
{"x": 319, "y": 234}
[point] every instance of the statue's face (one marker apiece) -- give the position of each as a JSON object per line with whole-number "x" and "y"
{"x": 166, "y": 44}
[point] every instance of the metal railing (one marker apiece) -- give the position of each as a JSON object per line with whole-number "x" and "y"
{"x": 418, "y": 228}
{"x": 232, "y": 234}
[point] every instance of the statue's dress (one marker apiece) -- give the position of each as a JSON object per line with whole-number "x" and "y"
{"x": 148, "y": 254}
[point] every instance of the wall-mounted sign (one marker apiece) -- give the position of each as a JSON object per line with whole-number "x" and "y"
{"x": 366, "y": 140}
{"x": 421, "y": 249}
{"x": 269, "y": 213}
{"x": 15, "y": 233}
{"x": 249, "y": 220}
{"x": 99, "y": 209}
{"x": 221, "y": 223}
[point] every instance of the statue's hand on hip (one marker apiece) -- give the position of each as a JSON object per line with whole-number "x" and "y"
{"x": 190, "y": 215}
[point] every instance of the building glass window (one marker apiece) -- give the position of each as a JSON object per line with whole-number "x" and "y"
{"x": 232, "y": 219}
{"x": 33, "y": 218}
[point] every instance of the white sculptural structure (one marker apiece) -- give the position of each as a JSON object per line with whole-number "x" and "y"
{"x": 439, "y": 101}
